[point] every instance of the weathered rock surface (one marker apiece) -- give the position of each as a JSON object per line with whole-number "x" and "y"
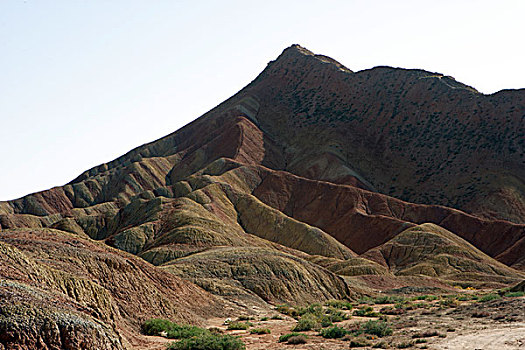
{"x": 62, "y": 291}
{"x": 430, "y": 250}
{"x": 309, "y": 172}
{"x": 259, "y": 273}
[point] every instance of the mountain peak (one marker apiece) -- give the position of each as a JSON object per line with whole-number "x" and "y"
{"x": 297, "y": 51}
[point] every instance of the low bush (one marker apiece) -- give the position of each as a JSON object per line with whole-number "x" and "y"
{"x": 306, "y": 323}
{"x": 172, "y": 330}
{"x": 380, "y": 345}
{"x": 260, "y": 331}
{"x": 392, "y": 311}
{"x": 404, "y": 345}
{"x": 156, "y": 326}
{"x": 379, "y": 328}
{"x": 489, "y": 297}
{"x": 336, "y": 315}
{"x": 314, "y": 309}
{"x": 245, "y": 318}
{"x": 284, "y": 338}
{"x": 239, "y": 325}
{"x": 426, "y": 297}
{"x": 339, "y": 304}
{"x": 298, "y": 339}
{"x": 359, "y": 343}
{"x": 325, "y": 321}
{"x": 388, "y": 299}
{"x": 514, "y": 294}
{"x": 208, "y": 341}
{"x": 365, "y": 311}
{"x": 287, "y": 310}
{"x": 333, "y": 332}
{"x": 426, "y": 334}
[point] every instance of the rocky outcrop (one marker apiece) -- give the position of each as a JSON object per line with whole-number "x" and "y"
{"x": 259, "y": 274}
{"x": 267, "y": 197}
{"x": 430, "y": 250}
{"x": 62, "y": 291}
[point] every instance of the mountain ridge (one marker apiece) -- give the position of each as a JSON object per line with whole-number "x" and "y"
{"x": 306, "y": 185}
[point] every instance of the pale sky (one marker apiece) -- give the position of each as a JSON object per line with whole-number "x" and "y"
{"x": 83, "y": 82}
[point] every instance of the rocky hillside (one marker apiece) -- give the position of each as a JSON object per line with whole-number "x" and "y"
{"x": 311, "y": 183}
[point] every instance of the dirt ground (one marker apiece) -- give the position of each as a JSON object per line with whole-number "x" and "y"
{"x": 437, "y": 324}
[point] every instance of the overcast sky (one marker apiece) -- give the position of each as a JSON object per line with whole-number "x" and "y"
{"x": 83, "y": 82}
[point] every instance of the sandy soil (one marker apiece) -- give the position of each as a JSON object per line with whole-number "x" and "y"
{"x": 493, "y": 325}
{"x": 508, "y": 337}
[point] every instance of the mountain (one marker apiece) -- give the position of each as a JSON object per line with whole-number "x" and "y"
{"x": 309, "y": 183}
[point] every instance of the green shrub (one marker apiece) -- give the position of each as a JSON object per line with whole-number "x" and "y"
{"x": 264, "y": 318}
{"x": 182, "y": 332}
{"x": 306, "y": 323}
{"x": 449, "y": 302}
{"x": 426, "y": 297}
{"x": 359, "y": 343}
{"x": 367, "y": 311}
{"x": 489, "y": 297}
{"x": 336, "y": 315}
{"x": 298, "y": 339}
{"x": 244, "y": 318}
{"x": 156, "y": 326}
{"x": 426, "y": 334}
{"x": 339, "y": 304}
{"x": 379, "y": 328}
{"x": 514, "y": 294}
{"x": 173, "y": 330}
{"x": 392, "y": 311}
{"x": 314, "y": 309}
{"x": 333, "y": 332}
{"x": 326, "y": 321}
{"x": 364, "y": 300}
{"x": 388, "y": 300}
{"x": 287, "y": 310}
{"x": 276, "y": 317}
{"x": 208, "y": 342}
{"x": 284, "y": 338}
{"x": 404, "y": 345}
{"x": 239, "y": 325}
{"x": 260, "y": 331}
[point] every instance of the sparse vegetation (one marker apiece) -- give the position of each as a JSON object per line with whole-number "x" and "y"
{"x": 171, "y": 329}
{"x": 208, "y": 341}
{"x": 339, "y": 304}
{"x": 333, "y": 332}
{"x": 306, "y": 323}
{"x": 379, "y": 328}
{"x": 298, "y": 339}
{"x": 239, "y": 325}
{"x": 365, "y": 311}
{"x": 489, "y": 297}
{"x": 285, "y": 337}
{"x": 359, "y": 343}
{"x": 191, "y": 337}
{"x": 388, "y": 299}
{"x": 156, "y": 326}
{"x": 260, "y": 331}
{"x": 245, "y": 318}
{"x": 426, "y": 334}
